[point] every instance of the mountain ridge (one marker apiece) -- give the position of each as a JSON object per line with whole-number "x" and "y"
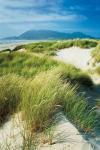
{"x": 47, "y": 34}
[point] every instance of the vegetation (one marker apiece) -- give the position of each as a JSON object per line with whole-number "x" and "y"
{"x": 24, "y": 64}
{"x": 10, "y": 95}
{"x": 28, "y": 65}
{"x": 49, "y": 48}
{"x": 39, "y": 86}
{"x": 96, "y": 54}
{"x": 45, "y": 93}
{"x": 69, "y": 73}
{"x": 97, "y": 70}
{"x": 48, "y": 93}
{"x": 85, "y": 43}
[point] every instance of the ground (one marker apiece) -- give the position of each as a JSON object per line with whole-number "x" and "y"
{"x": 66, "y": 136}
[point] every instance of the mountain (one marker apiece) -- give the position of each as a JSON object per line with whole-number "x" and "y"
{"x": 48, "y": 34}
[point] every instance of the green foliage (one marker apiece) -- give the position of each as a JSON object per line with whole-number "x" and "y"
{"x": 6, "y": 50}
{"x": 85, "y": 43}
{"x": 48, "y": 93}
{"x": 24, "y": 64}
{"x": 96, "y": 54}
{"x": 18, "y": 47}
{"x": 97, "y": 70}
{"x": 28, "y": 65}
{"x": 74, "y": 75}
{"x": 10, "y": 94}
{"x": 51, "y": 46}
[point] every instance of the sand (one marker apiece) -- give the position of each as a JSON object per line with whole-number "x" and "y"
{"x": 75, "y": 56}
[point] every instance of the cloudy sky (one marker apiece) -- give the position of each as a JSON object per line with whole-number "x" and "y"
{"x": 18, "y": 16}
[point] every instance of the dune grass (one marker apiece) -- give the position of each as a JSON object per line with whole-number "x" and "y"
{"x": 40, "y": 98}
{"x": 10, "y": 95}
{"x": 28, "y": 65}
{"x": 73, "y": 75}
{"x": 97, "y": 70}
{"x": 22, "y": 86}
{"x": 96, "y": 54}
{"x": 49, "y": 94}
{"x": 86, "y": 43}
{"x": 50, "y": 47}
{"x": 40, "y": 86}
{"x": 24, "y": 64}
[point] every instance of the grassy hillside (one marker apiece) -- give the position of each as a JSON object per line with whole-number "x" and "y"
{"x": 28, "y": 65}
{"x": 49, "y": 48}
{"x": 39, "y": 87}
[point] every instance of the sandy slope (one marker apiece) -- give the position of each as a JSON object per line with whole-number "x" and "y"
{"x": 11, "y": 134}
{"x": 66, "y": 137}
{"x": 76, "y": 56}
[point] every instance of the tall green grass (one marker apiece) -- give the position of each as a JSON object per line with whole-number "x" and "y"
{"x": 40, "y": 98}
{"x": 86, "y": 43}
{"x": 24, "y": 64}
{"x": 50, "y": 47}
{"x": 48, "y": 94}
{"x": 96, "y": 54}
{"x": 28, "y": 65}
{"x": 73, "y": 75}
{"x": 40, "y": 87}
{"x": 10, "y": 94}
{"x": 97, "y": 70}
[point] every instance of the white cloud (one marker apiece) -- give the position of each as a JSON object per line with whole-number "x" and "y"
{"x": 22, "y": 13}
{"x": 39, "y": 17}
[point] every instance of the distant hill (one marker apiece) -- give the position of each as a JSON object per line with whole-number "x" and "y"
{"x": 47, "y": 34}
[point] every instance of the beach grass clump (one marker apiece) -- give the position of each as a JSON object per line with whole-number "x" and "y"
{"x": 62, "y": 44}
{"x": 96, "y": 54}
{"x": 74, "y": 75}
{"x": 41, "y": 97}
{"x": 47, "y": 94}
{"x": 97, "y": 70}
{"x": 10, "y": 94}
{"x": 85, "y": 43}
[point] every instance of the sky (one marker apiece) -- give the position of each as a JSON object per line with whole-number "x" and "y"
{"x": 18, "y": 16}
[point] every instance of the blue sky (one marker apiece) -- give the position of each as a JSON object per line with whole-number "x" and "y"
{"x": 18, "y": 16}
